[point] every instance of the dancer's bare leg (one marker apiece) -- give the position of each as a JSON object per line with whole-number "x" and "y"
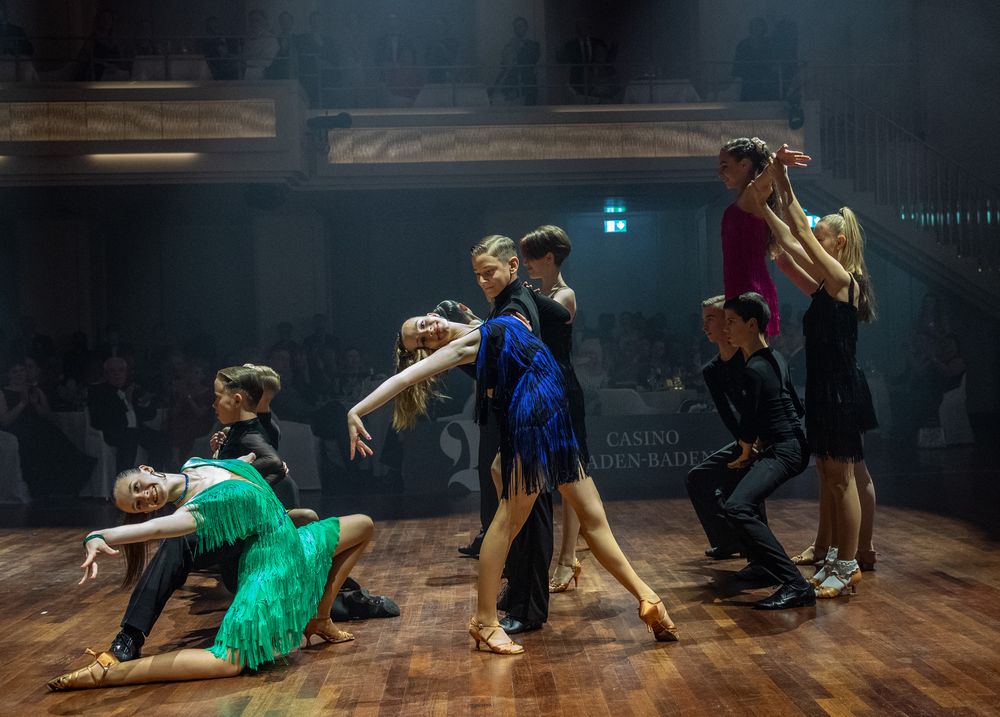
{"x": 866, "y": 494}
{"x": 176, "y": 666}
{"x": 567, "y": 550}
{"x": 847, "y": 506}
{"x": 586, "y": 501}
{"x": 355, "y": 534}
{"x": 507, "y": 523}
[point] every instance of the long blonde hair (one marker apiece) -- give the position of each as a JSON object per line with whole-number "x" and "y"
{"x": 412, "y": 401}
{"x": 852, "y": 257}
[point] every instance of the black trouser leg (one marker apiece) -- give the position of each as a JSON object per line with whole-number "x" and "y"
{"x": 708, "y": 484}
{"x": 778, "y": 464}
{"x": 527, "y": 567}
{"x": 489, "y": 446}
{"x": 167, "y": 571}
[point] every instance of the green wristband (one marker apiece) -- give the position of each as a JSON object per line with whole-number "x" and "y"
{"x": 93, "y": 536}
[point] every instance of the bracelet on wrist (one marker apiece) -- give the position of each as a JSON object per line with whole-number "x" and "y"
{"x": 93, "y": 536}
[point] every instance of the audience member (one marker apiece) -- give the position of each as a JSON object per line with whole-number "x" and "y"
{"x": 260, "y": 47}
{"x": 441, "y": 54}
{"x": 50, "y": 463}
{"x": 524, "y": 54}
{"x": 355, "y": 376}
{"x": 13, "y": 39}
{"x": 221, "y": 52}
{"x": 114, "y": 345}
{"x": 100, "y": 58}
{"x": 585, "y": 54}
{"x": 190, "y": 414}
{"x": 317, "y": 59}
{"x": 404, "y": 80}
{"x": 753, "y": 64}
{"x": 315, "y": 344}
{"x": 390, "y": 47}
{"x": 281, "y": 67}
{"x": 290, "y": 404}
{"x": 120, "y": 415}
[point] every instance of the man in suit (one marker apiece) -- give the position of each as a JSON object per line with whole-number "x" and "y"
{"x": 120, "y": 416}
{"x": 588, "y": 57}
{"x": 526, "y": 53}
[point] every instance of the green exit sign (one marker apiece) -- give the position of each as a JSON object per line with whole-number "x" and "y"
{"x": 615, "y": 226}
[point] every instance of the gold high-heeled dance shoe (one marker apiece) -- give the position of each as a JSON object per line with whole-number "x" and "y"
{"x": 557, "y": 587}
{"x": 804, "y": 559}
{"x": 846, "y": 585}
{"x": 86, "y": 677}
{"x": 330, "y": 632}
{"x": 649, "y": 613}
{"x": 476, "y": 629}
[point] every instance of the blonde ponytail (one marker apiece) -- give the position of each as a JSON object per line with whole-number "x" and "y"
{"x": 852, "y": 257}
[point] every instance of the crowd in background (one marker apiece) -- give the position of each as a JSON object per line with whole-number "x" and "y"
{"x": 339, "y": 59}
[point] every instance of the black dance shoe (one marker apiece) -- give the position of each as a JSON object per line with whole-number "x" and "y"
{"x": 472, "y": 549}
{"x": 512, "y": 626}
{"x": 755, "y": 573}
{"x": 127, "y": 645}
{"x": 362, "y": 605}
{"x": 722, "y": 553}
{"x": 788, "y": 596}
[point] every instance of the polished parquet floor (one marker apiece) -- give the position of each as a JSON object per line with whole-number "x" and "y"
{"x": 920, "y": 638}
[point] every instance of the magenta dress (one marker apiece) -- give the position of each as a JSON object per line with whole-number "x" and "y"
{"x": 744, "y": 260}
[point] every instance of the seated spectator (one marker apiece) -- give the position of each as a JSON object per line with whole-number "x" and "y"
{"x": 754, "y": 64}
{"x": 404, "y": 80}
{"x": 933, "y": 366}
{"x": 100, "y": 58}
{"x": 50, "y": 463}
{"x": 657, "y": 368}
{"x": 588, "y": 363}
{"x": 355, "y": 376}
{"x": 291, "y": 404}
{"x": 190, "y": 415}
{"x": 222, "y": 53}
{"x": 13, "y": 39}
{"x": 524, "y": 54}
{"x": 281, "y": 67}
{"x": 317, "y": 343}
{"x": 120, "y": 415}
{"x": 317, "y": 59}
{"x": 285, "y": 332}
{"x": 441, "y": 54}
{"x": 260, "y": 47}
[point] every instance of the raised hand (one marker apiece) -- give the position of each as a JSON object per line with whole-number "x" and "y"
{"x": 355, "y": 430}
{"x": 787, "y": 157}
{"x": 94, "y": 547}
{"x": 217, "y": 439}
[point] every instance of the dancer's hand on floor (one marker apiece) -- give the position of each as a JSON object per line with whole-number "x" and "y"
{"x": 355, "y": 430}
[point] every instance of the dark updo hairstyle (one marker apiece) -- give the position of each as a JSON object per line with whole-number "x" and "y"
{"x": 546, "y": 238}
{"x": 750, "y": 305}
{"x": 755, "y": 149}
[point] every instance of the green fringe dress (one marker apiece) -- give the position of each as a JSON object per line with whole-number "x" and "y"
{"x": 282, "y": 572}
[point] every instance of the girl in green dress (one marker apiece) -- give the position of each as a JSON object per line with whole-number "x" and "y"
{"x": 288, "y": 578}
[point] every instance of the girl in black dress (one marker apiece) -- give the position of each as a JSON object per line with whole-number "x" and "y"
{"x": 544, "y": 250}
{"x": 838, "y": 402}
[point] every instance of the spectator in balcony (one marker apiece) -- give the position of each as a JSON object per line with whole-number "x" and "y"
{"x": 316, "y": 55}
{"x": 50, "y": 463}
{"x": 588, "y": 58}
{"x": 100, "y": 58}
{"x": 524, "y": 53}
{"x": 441, "y": 53}
{"x": 391, "y": 47}
{"x": 281, "y": 67}
{"x": 13, "y": 39}
{"x": 119, "y": 409}
{"x": 221, "y": 52}
{"x": 404, "y": 80}
{"x": 754, "y": 64}
{"x": 260, "y": 47}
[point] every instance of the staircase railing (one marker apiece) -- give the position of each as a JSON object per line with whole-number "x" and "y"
{"x": 900, "y": 170}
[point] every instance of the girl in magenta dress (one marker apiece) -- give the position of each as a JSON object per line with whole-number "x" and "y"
{"x": 746, "y": 239}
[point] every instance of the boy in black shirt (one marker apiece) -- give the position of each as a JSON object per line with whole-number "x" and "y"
{"x": 769, "y": 418}
{"x": 711, "y": 482}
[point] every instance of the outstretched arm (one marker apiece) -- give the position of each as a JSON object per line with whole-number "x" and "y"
{"x": 460, "y": 351}
{"x": 178, "y": 523}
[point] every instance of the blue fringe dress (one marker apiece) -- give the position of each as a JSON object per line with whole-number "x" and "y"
{"x": 282, "y": 572}
{"x": 529, "y": 396}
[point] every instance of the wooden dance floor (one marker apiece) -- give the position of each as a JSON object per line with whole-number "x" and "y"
{"x": 920, "y": 638}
